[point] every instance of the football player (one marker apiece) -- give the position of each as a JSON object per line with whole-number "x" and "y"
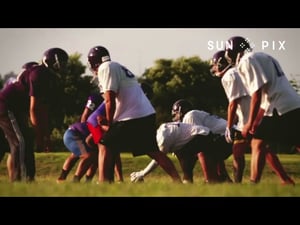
{"x": 30, "y": 97}
{"x": 128, "y": 111}
{"x": 270, "y": 91}
{"x": 210, "y": 152}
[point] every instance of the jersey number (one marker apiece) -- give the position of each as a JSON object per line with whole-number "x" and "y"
{"x": 127, "y": 72}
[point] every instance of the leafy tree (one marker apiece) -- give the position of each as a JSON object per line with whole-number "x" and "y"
{"x": 1, "y": 82}
{"x": 187, "y": 78}
{"x": 295, "y": 83}
{"x": 6, "y": 77}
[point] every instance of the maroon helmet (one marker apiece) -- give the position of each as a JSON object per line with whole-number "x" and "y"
{"x": 97, "y": 55}
{"x": 181, "y": 107}
{"x": 235, "y": 47}
{"x": 26, "y": 67}
{"x": 55, "y": 58}
{"x": 219, "y": 64}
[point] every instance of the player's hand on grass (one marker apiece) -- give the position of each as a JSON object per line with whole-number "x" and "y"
{"x": 137, "y": 176}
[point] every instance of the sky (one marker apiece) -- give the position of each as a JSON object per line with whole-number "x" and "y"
{"x": 138, "y": 48}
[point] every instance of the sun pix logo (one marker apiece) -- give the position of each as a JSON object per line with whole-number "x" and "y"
{"x": 274, "y": 45}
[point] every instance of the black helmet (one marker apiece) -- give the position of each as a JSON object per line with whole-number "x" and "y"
{"x": 97, "y": 55}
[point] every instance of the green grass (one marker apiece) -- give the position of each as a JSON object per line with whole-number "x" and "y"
{"x": 157, "y": 184}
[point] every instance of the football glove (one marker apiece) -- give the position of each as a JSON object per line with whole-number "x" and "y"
{"x": 229, "y": 135}
{"x": 137, "y": 176}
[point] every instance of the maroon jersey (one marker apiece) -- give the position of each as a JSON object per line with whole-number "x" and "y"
{"x": 38, "y": 82}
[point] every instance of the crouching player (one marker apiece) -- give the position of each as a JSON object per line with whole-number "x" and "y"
{"x": 187, "y": 141}
{"x": 75, "y": 140}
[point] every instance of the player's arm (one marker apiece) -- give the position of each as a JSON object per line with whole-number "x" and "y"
{"x": 110, "y": 105}
{"x": 90, "y": 142}
{"x": 231, "y": 113}
{"x": 139, "y": 176}
{"x": 231, "y": 119}
{"x": 39, "y": 119}
{"x": 253, "y": 113}
{"x": 85, "y": 114}
{"x": 257, "y": 121}
{"x": 150, "y": 167}
{"x": 88, "y": 109}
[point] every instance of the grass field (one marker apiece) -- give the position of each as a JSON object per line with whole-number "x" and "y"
{"x": 157, "y": 184}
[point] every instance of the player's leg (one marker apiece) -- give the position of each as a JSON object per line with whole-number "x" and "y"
{"x": 9, "y": 165}
{"x": 118, "y": 169}
{"x": 209, "y": 168}
{"x": 4, "y": 147}
{"x": 14, "y": 145}
{"x": 275, "y": 164}
{"x": 67, "y": 167}
{"x": 29, "y": 154}
{"x": 187, "y": 163}
{"x": 90, "y": 173}
{"x": 165, "y": 162}
{"x": 106, "y": 162}
{"x": 238, "y": 150}
{"x": 86, "y": 160}
{"x": 222, "y": 172}
{"x": 258, "y": 159}
{"x": 109, "y": 146}
{"x": 70, "y": 141}
{"x": 218, "y": 152}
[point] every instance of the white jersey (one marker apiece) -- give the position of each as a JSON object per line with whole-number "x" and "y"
{"x": 131, "y": 102}
{"x": 172, "y": 136}
{"x": 215, "y": 123}
{"x": 234, "y": 89}
{"x": 258, "y": 69}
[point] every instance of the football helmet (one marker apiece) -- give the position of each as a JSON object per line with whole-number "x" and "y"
{"x": 55, "y": 58}
{"x": 180, "y": 108}
{"x": 97, "y": 55}
{"x": 235, "y": 48}
{"x": 219, "y": 64}
{"x": 29, "y": 65}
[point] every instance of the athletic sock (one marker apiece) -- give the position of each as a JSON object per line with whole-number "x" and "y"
{"x": 63, "y": 174}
